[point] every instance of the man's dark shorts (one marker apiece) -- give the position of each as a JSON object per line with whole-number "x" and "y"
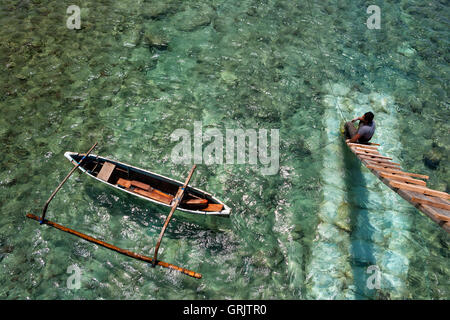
{"x": 350, "y": 130}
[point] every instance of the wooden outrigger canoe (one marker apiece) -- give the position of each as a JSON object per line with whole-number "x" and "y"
{"x": 142, "y": 183}
{"x": 148, "y": 185}
{"x": 433, "y": 203}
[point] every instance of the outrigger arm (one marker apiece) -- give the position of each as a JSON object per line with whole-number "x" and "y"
{"x": 44, "y": 210}
{"x": 177, "y": 200}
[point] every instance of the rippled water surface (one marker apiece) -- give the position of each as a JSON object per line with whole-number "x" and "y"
{"x": 138, "y": 70}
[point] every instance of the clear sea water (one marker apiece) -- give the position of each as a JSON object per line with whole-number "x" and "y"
{"x": 137, "y": 70}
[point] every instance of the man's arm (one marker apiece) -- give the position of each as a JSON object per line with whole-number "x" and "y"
{"x": 354, "y": 139}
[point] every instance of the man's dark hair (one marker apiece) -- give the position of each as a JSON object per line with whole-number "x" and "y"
{"x": 368, "y": 116}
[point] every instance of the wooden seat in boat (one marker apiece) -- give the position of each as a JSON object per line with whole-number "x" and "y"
{"x": 213, "y": 207}
{"x": 106, "y": 171}
{"x": 195, "y": 203}
{"x": 145, "y": 190}
{"x": 128, "y": 183}
{"x": 153, "y": 194}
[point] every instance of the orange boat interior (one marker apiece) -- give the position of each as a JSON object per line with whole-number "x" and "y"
{"x": 147, "y": 185}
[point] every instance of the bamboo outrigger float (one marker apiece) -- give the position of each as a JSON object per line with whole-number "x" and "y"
{"x": 433, "y": 203}
{"x": 192, "y": 200}
{"x": 114, "y": 248}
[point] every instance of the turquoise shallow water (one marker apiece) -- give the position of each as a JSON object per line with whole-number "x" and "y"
{"x": 138, "y": 70}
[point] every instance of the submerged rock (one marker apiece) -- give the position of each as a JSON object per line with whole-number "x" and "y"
{"x": 155, "y": 41}
{"x": 343, "y": 217}
{"x": 433, "y": 158}
{"x": 228, "y": 77}
{"x": 158, "y": 9}
{"x": 21, "y": 76}
{"x": 406, "y": 50}
{"x": 192, "y": 19}
{"x": 154, "y": 37}
{"x": 340, "y": 89}
{"x": 5, "y": 250}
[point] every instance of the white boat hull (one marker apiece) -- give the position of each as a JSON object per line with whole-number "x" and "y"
{"x": 224, "y": 212}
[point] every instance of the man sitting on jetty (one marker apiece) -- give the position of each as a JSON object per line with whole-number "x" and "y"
{"x": 365, "y": 129}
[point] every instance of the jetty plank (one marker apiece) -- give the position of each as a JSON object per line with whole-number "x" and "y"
{"x": 405, "y": 179}
{"x": 369, "y": 151}
{"x": 440, "y": 217}
{"x": 378, "y": 168}
{"x": 443, "y": 218}
{"x": 432, "y": 203}
{"x": 377, "y": 159}
{"x": 362, "y": 145}
{"x": 420, "y": 189}
{"x": 383, "y": 164}
{"x": 371, "y": 155}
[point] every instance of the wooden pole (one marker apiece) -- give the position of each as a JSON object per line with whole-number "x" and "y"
{"x": 178, "y": 198}
{"x": 44, "y": 210}
{"x": 114, "y": 248}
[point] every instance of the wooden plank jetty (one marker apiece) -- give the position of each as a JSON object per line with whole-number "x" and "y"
{"x": 431, "y": 202}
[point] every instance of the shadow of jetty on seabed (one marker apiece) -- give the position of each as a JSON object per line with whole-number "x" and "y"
{"x": 361, "y": 233}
